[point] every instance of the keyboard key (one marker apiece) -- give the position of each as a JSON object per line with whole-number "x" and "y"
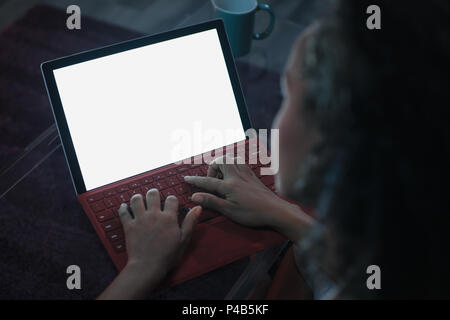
{"x": 168, "y": 192}
{"x": 110, "y": 202}
{"x": 181, "y": 200}
{"x": 114, "y": 235}
{"x": 182, "y": 169}
{"x": 193, "y": 189}
{"x": 171, "y": 172}
{"x": 115, "y": 210}
{"x": 172, "y": 181}
{"x": 109, "y": 193}
{"x": 146, "y": 188}
{"x": 98, "y": 206}
{"x": 181, "y": 189}
{"x": 122, "y": 189}
{"x": 95, "y": 197}
{"x": 135, "y": 191}
{"x": 160, "y": 185}
{"x": 119, "y": 247}
{"x": 147, "y": 180}
{"x": 134, "y": 185}
{"x": 111, "y": 225}
{"x": 123, "y": 197}
{"x": 159, "y": 176}
{"x": 107, "y": 215}
{"x": 196, "y": 172}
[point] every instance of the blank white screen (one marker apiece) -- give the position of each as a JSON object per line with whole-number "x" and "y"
{"x": 122, "y": 109}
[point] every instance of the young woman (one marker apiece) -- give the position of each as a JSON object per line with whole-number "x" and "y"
{"x": 364, "y": 140}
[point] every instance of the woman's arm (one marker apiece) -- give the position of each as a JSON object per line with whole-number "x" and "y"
{"x": 246, "y": 200}
{"x": 154, "y": 241}
{"x": 133, "y": 282}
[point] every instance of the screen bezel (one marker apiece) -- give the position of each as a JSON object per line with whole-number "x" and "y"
{"x": 55, "y": 100}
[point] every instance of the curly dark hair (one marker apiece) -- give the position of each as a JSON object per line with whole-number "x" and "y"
{"x": 379, "y": 178}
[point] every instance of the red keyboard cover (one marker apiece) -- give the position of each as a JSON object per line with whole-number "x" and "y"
{"x": 216, "y": 240}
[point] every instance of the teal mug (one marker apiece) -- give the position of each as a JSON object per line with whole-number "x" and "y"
{"x": 239, "y": 19}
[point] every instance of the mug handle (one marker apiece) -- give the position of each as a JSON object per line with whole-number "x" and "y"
{"x": 269, "y": 29}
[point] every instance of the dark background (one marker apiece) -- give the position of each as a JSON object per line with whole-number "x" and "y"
{"x": 153, "y": 16}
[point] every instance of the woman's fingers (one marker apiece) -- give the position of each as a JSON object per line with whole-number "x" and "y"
{"x": 242, "y": 166}
{"x": 171, "y": 205}
{"x": 189, "y": 223}
{"x": 124, "y": 214}
{"x": 224, "y": 165}
{"x": 211, "y": 201}
{"x": 208, "y": 183}
{"x": 153, "y": 200}
{"x": 137, "y": 205}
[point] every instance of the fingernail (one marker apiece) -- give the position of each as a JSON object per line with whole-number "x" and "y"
{"x": 196, "y": 208}
{"x": 197, "y": 198}
{"x": 198, "y": 211}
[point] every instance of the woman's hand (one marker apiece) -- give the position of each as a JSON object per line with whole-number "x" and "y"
{"x": 238, "y": 194}
{"x": 153, "y": 237}
{"x": 154, "y": 241}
